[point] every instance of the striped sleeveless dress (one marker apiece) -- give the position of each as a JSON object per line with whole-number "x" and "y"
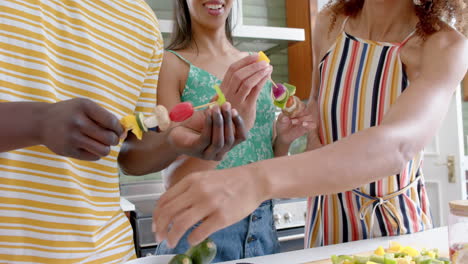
{"x": 359, "y": 81}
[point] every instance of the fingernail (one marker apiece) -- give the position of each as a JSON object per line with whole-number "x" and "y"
{"x": 305, "y": 124}
{"x": 263, "y": 64}
{"x": 295, "y": 121}
{"x": 235, "y": 113}
{"x": 153, "y": 227}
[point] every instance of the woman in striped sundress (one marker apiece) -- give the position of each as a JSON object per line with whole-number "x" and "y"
{"x": 383, "y": 92}
{"x": 358, "y": 81}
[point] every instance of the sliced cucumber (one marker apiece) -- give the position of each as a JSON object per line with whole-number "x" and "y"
{"x": 203, "y": 253}
{"x": 181, "y": 259}
{"x": 140, "y": 121}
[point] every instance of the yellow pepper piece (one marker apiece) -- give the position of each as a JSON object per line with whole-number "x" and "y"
{"x": 263, "y": 57}
{"x": 431, "y": 254}
{"x": 130, "y": 123}
{"x": 410, "y": 251}
{"x": 221, "y": 98}
{"x": 394, "y": 247}
{"x": 371, "y": 262}
{"x": 380, "y": 251}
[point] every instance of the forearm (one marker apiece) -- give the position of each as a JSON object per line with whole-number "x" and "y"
{"x": 152, "y": 154}
{"x": 349, "y": 163}
{"x": 281, "y": 148}
{"x": 20, "y": 125}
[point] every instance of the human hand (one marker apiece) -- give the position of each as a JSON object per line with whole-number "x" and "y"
{"x": 210, "y": 134}
{"x": 289, "y": 128}
{"x": 243, "y": 83}
{"x": 79, "y": 128}
{"x": 218, "y": 198}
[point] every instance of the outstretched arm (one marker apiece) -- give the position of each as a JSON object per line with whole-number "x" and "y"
{"x": 364, "y": 157}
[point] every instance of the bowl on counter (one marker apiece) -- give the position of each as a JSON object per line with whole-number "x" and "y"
{"x": 163, "y": 259}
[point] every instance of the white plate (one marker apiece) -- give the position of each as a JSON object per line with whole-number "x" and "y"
{"x": 164, "y": 259}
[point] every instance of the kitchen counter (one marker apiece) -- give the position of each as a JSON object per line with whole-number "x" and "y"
{"x": 126, "y": 205}
{"x": 435, "y": 238}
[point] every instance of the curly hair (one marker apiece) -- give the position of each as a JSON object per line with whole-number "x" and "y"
{"x": 432, "y": 14}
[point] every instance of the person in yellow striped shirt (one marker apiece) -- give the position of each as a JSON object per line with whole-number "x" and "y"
{"x": 69, "y": 70}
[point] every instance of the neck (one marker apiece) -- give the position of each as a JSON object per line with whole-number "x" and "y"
{"x": 383, "y": 17}
{"x": 211, "y": 41}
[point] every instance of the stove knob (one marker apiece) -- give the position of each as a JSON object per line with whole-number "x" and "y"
{"x": 288, "y": 217}
{"x": 277, "y": 218}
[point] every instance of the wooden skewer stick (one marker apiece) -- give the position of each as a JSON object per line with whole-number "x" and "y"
{"x": 205, "y": 105}
{"x": 274, "y": 84}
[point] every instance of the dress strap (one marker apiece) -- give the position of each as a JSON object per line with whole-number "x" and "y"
{"x": 180, "y": 56}
{"x": 345, "y": 21}
{"x": 410, "y": 35}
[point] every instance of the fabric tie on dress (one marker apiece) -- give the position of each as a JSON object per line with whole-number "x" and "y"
{"x": 384, "y": 202}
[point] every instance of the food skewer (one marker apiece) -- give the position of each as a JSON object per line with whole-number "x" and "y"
{"x": 283, "y": 94}
{"x": 161, "y": 120}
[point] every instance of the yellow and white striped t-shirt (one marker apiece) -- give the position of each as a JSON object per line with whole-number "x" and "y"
{"x": 55, "y": 209}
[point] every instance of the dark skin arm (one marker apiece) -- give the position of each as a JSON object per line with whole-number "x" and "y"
{"x": 76, "y": 128}
{"x": 204, "y": 136}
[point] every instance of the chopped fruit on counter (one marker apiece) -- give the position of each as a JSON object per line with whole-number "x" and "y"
{"x": 380, "y": 251}
{"x": 263, "y": 57}
{"x": 395, "y": 254}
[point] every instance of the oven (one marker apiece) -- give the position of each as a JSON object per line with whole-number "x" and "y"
{"x": 289, "y": 217}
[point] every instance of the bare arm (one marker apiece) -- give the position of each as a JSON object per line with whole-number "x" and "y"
{"x": 20, "y": 121}
{"x": 77, "y": 128}
{"x": 384, "y": 149}
{"x": 172, "y": 79}
{"x": 242, "y": 84}
{"x": 364, "y": 157}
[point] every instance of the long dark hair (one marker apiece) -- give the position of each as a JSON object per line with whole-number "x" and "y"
{"x": 431, "y": 13}
{"x": 182, "y": 34}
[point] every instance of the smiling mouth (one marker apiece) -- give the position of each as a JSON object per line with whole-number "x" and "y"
{"x": 214, "y": 6}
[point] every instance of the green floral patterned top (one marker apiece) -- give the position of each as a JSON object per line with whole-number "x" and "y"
{"x": 199, "y": 90}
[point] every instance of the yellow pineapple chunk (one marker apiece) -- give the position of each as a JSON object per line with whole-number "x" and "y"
{"x": 394, "y": 247}
{"x": 263, "y": 57}
{"x": 380, "y": 251}
{"x": 410, "y": 251}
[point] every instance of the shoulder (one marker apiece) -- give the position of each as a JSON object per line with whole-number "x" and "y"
{"x": 327, "y": 27}
{"x": 142, "y": 14}
{"x": 447, "y": 42}
{"x": 172, "y": 63}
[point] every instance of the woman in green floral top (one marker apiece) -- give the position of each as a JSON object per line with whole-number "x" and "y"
{"x": 200, "y": 56}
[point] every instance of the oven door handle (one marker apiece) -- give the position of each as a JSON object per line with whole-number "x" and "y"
{"x": 290, "y": 238}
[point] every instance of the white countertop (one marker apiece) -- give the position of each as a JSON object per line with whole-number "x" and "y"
{"x": 126, "y": 205}
{"x": 435, "y": 238}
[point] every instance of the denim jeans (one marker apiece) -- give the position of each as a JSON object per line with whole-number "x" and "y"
{"x": 253, "y": 236}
